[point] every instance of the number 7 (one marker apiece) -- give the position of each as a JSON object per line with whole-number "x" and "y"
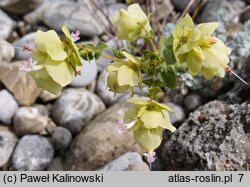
{"x": 241, "y": 176}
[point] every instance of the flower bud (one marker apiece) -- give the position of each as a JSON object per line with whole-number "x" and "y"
{"x": 132, "y": 23}
{"x": 202, "y": 52}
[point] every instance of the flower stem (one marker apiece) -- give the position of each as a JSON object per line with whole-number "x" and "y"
{"x": 153, "y": 45}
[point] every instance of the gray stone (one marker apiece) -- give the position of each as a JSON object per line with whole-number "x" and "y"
{"x": 107, "y": 96}
{"x": 56, "y": 165}
{"x": 27, "y": 39}
{"x": 99, "y": 143}
{"x": 61, "y": 138}
{"x": 6, "y": 25}
{"x": 8, "y": 141}
{"x": 88, "y": 74}
{"x": 8, "y": 107}
{"x": 33, "y": 152}
{"x": 214, "y": 137}
{"x": 19, "y": 83}
{"x": 31, "y": 120}
{"x": 75, "y": 107}
{"x": 127, "y": 162}
{"x": 178, "y": 115}
{"x": 77, "y": 17}
{"x": 18, "y": 6}
{"x": 192, "y": 101}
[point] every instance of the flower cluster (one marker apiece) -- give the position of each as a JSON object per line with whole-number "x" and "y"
{"x": 56, "y": 60}
{"x": 124, "y": 75}
{"x": 147, "y": 120}
{"x": 201, "y": 51}
{"x": 132, "y": 23}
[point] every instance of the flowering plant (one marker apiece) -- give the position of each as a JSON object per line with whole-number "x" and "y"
{"x": 189, "y": 49}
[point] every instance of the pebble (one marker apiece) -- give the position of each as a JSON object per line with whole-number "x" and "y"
{"x": 27, "y": 39}
{"x": 8, "y": 107}
{"x": 178, "y": 115}
{"x": 75, "y": 107}
{"x": 18, "y": 6}
{"x": 19, "y": 83}
{"x": 30, "y": 120}
{"x": 56, "y": 165}
{"x": 192, "y": 102}
{"x": 88, "y": 74}
{"x": 8, "y": 141}
{"x": 88, "y": 22}
{"x": 7, "y": 51}
{"x": 131, "y": 161}
{"x": 6, "y": 25}
{"x": 32, "y": 153}
{"x": 61, "y": 138}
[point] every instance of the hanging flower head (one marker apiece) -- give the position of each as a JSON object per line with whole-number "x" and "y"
{"x": 56, "y": 60}
{"x": 150, "y": 119}
{"x": 132, "y": 23}
{"x": 124, "y": 75}
{"x": 199, "y": 49}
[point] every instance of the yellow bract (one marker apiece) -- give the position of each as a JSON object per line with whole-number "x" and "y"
{"x": 150, "y": 119}
{"x": 124, "y": 75}
{"x": 202, "y": 52}
{"x": 132, "y": 23}
{"x": 56, "y": 59}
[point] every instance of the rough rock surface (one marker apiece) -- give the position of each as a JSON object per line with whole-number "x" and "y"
{"x": 99, "y": 143}
{"x": 33, "y": 152}
{"x": 214, "y": 137}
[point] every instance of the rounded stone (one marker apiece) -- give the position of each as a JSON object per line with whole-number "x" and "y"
{"x": 8, "y": 141}
{"x": 61, "y": 138}
{"x": 75, "y": 107}
{"x": 8, "y": 107}
{"x": 33, "y": 152}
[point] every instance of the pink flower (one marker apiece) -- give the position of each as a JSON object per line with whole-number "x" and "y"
{"x": 122, "y": 127}
{"x": 75, "y": 36}
{"x": 30, "y": 66}
{"x": 150, "y": 158}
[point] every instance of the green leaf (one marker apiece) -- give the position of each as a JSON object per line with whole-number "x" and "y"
{"x": 168, "y": 76}
{"x": 118, "y": 53}
{"x": 167, "y": 53}
{"x": 101, "y": 46}
{"x": 153, "y": 91}
{"x": 88, "y": 56}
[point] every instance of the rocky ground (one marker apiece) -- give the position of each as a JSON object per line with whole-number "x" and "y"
{"x": 78, "y": 129}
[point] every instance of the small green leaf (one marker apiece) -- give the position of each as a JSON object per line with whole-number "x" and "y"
{"x": 101, "y": 46}
{"x": 155, "y": 90}
{"x": 118, "y": 53}
{"x": 168, "y": 77}
{"x": 167, "y": 53}
{"x": 88, "y": 56}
